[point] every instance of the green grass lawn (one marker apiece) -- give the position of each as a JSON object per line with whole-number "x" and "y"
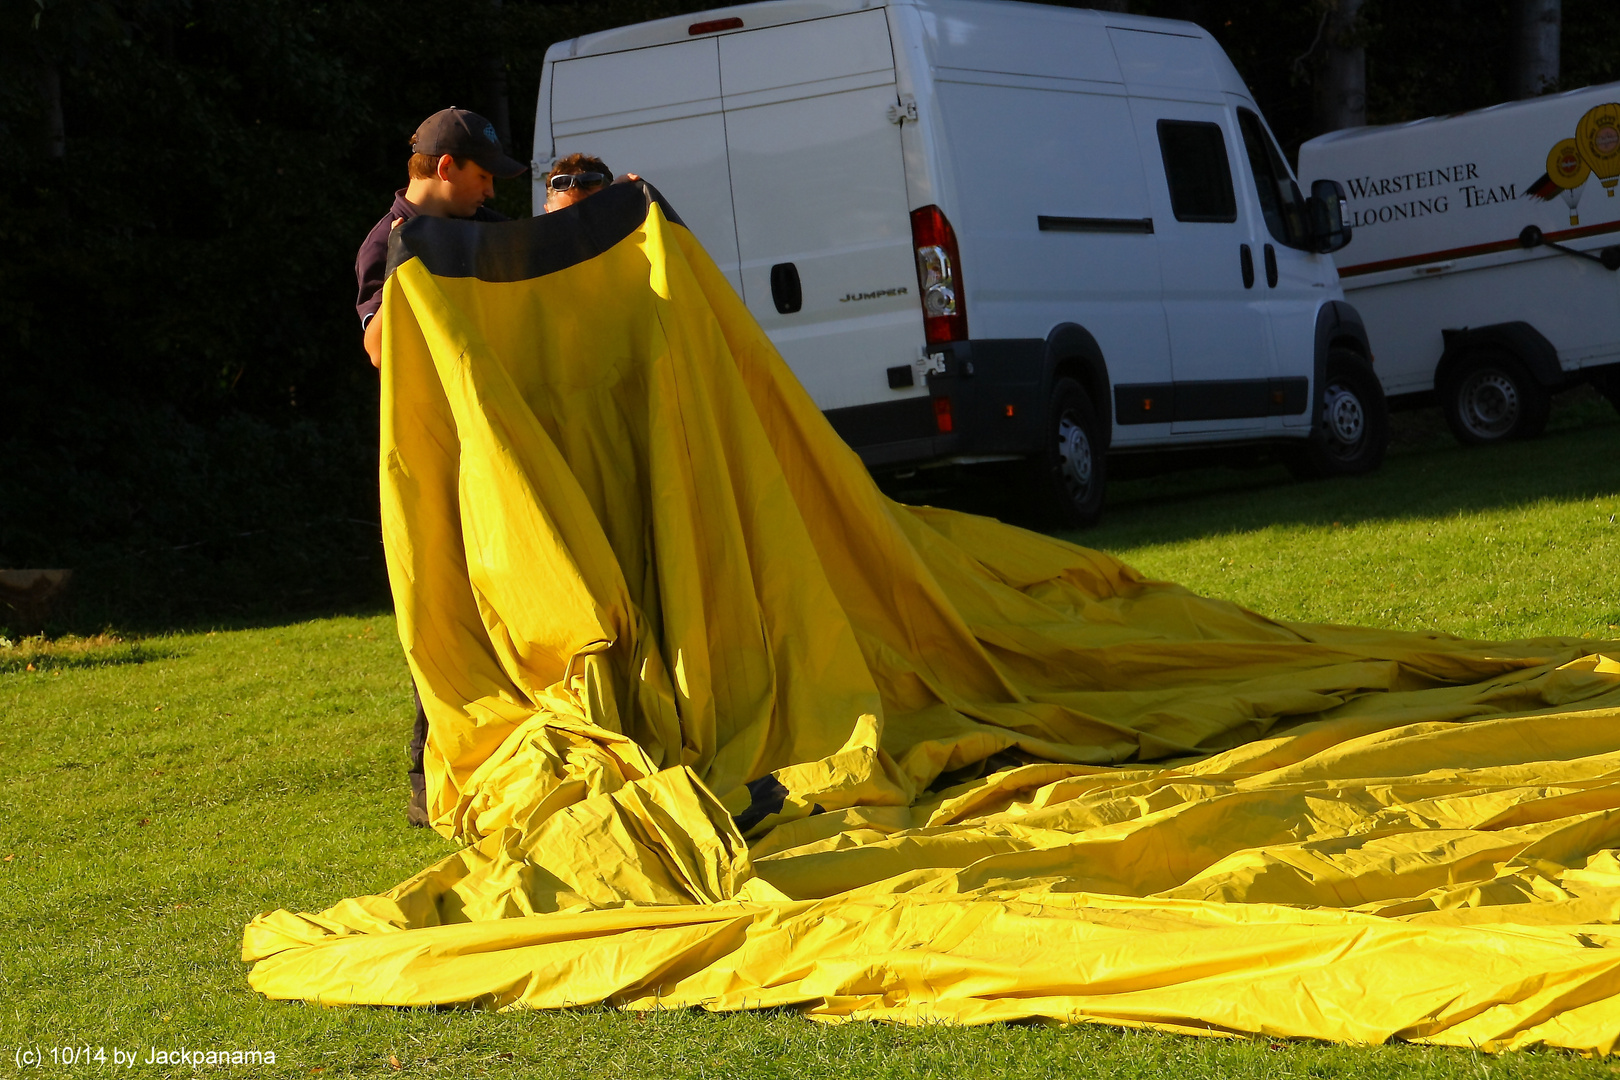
{"x": 158, "y": 793}
{"x": 1512, "y": 541}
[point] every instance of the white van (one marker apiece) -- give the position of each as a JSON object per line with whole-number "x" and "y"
{"x": 1484, "y": 262}
{"x": 985, "y": 231}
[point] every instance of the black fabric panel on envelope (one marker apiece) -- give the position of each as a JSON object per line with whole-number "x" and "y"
{"x": 767, "y": 795}
{"x": 499, "y": 251}
{"x": 1010, "y": 758}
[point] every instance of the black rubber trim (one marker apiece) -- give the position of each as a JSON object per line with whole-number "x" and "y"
{"x": 1071, "y": 348}
{"x": 507, "y": 251}
{"x": 885, "y": 422}
{"x": 908, "y": 452}
{"x": 1144, "y": 403}
{"x": 1336, "y": 321}
{"x": 1210, "y": 399}
{"x": 1048, "y": 223}
{"x": 1290, "y": 396}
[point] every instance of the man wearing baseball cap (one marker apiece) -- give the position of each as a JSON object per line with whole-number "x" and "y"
{"x": 455, "y": 157}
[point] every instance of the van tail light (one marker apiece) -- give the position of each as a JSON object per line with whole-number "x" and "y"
{"x": 942, "y": 415}
{"x": 939, "y": 276}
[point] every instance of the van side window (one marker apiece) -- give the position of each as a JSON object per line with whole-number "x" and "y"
{"x": 1195, "y": 165}
{"x": 1280, "y": 199}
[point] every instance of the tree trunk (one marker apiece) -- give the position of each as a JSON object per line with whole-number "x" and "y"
{"x": 1536, "y": 47}
{"x": 1341, "y": 86}
{"x": 50, "y": 88}
{"x": 495, "y": 91}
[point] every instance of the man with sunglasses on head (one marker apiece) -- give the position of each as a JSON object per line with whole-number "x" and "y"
{"x": 578, "y": 177}
{"x": 455, "y": 158}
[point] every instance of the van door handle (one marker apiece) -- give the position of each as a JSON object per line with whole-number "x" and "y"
{"x": 1246, "y": 260}
{"x": 1271, "y": 266}
{"x": 786, "y": 292}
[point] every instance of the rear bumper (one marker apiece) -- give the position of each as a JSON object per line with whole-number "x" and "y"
{"x": 995, "y": 390}
{"x": 893, "y": 432}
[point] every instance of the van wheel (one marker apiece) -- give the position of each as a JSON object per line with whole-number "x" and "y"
{"x": 1068, "y": 474}
{"x": 1353, "y": 432}
{"x": 1490, "y": 397}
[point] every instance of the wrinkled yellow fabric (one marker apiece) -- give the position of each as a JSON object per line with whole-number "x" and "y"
{"x": 722, "y": 726}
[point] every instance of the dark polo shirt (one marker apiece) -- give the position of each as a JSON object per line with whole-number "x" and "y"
{"x": 371, "y": 265}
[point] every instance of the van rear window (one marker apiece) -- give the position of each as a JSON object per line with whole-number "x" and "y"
{"x": 1196, "y": 167}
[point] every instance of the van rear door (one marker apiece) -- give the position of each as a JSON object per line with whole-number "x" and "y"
{"x": 659, "y": 104}
{"x": 820, "y": 195}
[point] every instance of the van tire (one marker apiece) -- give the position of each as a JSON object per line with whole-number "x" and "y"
{"x": 1067, "y": 476}
{"x": 1490, "y": 397}
{"x": 1353, "y": 432}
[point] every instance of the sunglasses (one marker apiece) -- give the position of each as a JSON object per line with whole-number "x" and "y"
{"x": 564, "y": 181}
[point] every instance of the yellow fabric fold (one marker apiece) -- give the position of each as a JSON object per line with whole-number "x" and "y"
{"x": 722, "y": 726}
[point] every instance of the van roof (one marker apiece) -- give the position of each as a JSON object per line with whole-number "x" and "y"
{"x": 678, "y": 27}
{"x": 1506, "y": 108}
{"x": 777, "y": 12}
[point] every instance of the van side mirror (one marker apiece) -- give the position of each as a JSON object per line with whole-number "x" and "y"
{"x": 1326, "y": 209}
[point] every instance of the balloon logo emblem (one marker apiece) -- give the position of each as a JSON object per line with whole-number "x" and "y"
{"x": 1597, "y": 139}
{"x": 1567, "y": 171}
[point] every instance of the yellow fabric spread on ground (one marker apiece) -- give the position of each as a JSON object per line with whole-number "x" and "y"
{"x": 724, "y": 727}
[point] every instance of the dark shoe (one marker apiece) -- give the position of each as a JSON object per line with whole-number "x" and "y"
{"x": 417, "y": 812}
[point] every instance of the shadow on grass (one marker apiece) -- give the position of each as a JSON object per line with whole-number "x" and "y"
{"x": 104, "y": 606}
{"x": 140, "y": 587}
{"x": 43, "y": 654}
{"x": 140, "y": 634}
{"x": 1426, "y": 475}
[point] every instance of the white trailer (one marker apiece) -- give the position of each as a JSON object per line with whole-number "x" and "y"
{"x": 1484, "y": 259}
{"x": 1096, "y": 196}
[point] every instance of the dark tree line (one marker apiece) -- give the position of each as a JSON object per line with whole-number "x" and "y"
{"x": 185, "y": 413}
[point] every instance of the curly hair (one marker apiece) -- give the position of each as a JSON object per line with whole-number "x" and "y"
{"x": 578, "y": 163}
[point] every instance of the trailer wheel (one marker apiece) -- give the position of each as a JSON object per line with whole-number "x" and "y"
{"x": 1068, "y": 474}
{"x": 1353, "y": 432}
{"x": 1490, "y": 397}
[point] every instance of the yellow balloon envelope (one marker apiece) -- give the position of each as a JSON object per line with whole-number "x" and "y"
{"x": 1565, "y": 166}
{"x": 1598, "y": 136}
{"x": 722, "y": 726}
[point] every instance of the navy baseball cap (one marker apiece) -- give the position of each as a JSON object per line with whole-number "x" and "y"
{"x": 465, "y": 134}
